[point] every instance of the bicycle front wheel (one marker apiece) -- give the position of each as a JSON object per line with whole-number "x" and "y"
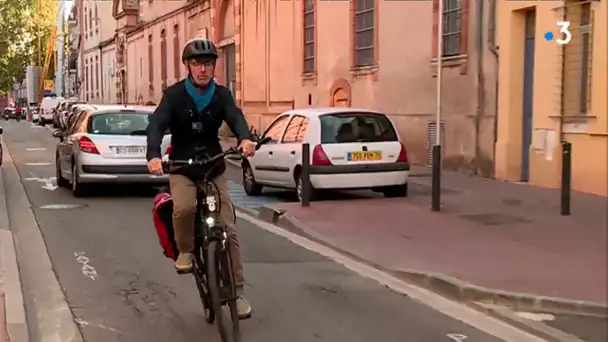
{"x": 221, "y": 290}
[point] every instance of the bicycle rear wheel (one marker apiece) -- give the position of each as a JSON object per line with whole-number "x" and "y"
{"x": 219, "y": 283}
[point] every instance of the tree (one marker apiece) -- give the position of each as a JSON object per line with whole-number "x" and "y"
{"x": 21, "y": 23}
{"x": 13, "y": 16}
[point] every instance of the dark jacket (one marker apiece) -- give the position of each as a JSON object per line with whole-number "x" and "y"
{"x": 192, "y": 130}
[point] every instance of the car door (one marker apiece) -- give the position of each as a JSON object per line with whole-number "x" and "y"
{"x": 263, "y": 162}
{"x": 288, "y": 153}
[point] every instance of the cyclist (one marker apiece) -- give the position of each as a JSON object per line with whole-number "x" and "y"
{"x": 194, "y": 109}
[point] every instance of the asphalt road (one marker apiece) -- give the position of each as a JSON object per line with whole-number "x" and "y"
{"x": 120, "y": 287}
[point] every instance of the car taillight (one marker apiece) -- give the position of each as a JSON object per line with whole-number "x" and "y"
{"x": 319, "y": 158}
{"x": 169, "y": 149}
{"x": 402, "y": 154}
{"x": 86, "y": 145}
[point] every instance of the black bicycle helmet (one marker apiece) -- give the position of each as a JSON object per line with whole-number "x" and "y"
{"x": 198, "y": 47}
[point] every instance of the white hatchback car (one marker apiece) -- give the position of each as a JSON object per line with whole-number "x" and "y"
{"x": 354, "y": 149}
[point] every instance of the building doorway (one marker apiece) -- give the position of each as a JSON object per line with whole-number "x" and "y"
{"x": 339, "y": 98}
{"x": 528, "y": 94}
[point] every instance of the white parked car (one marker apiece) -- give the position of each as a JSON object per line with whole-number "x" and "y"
{"x": 354, "y": 149}
{"x": 105, "y": 144}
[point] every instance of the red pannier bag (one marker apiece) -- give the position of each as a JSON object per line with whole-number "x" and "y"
{"x": 162, "y": 212}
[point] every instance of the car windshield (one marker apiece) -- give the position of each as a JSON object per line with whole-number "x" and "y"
{"x": 119, "y": 123}
{"x": 356, "y": 127}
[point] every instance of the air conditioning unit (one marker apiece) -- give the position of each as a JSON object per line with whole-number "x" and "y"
{"x": 112, "y": 67}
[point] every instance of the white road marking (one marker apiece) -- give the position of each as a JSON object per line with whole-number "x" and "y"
{"x": 457, "y": 337}
{"x": 37, "y": 164}
{"x": 35, "y": 149}
{"x": 463, "y": 313}
{"x": 79, "y": 321}
{"x": 87, "y": 270}
{"x": 47, "y": 182}
{"x": 537, "y": 317}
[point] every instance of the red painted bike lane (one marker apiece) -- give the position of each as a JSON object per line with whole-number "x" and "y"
{"x": 500, "y": 236}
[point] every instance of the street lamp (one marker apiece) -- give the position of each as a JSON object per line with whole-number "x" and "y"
{"x": 436, "y": 172}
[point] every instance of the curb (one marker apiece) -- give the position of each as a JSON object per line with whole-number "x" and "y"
{"x": 449, "y": 286}
{"x": 14, "y": 321}
{"x": 52, "y": 319}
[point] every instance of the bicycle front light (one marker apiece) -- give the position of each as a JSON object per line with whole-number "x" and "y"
{"x": 210, "y": 221}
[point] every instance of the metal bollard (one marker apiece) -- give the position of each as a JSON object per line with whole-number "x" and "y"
{"x": 436, "y": 182}
{"x": 305, "y": 175}
{"x": 566, "y": 178}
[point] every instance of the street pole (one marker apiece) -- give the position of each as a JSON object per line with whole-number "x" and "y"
{"x": 436, "y": 172}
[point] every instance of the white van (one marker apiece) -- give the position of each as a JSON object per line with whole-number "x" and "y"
{"x": 46, "y": 109}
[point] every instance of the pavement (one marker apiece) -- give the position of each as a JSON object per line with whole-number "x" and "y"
{"x": 91, "y": 269}
{"x": 504, "y": 248}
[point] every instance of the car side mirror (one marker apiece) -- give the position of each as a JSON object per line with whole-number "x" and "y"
{"x": 262, "y": 142}
{"x": 58, "y": 134}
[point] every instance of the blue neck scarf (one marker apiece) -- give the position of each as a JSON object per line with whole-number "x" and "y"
{"x": 201, "y": 100}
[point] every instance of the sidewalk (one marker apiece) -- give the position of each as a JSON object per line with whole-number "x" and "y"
{"x": 493, "y": 241}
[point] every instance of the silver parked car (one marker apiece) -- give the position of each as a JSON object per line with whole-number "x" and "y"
{"x": 105, "y": 144}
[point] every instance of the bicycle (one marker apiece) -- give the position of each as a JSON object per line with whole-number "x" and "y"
{"x": 212, "y": 266}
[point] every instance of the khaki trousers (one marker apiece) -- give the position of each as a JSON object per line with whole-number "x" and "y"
{"x": 183, "y": 192}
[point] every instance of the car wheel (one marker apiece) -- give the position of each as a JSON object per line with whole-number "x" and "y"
{"x": 396, "y": 191}
{"x": 78, "y": 189}
{"x": 312, "y": 194}
{"x": 252, "y": 188}
{"x": 61, "y": 182}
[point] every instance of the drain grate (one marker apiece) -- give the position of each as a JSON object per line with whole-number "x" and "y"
{"x": 494, "y": 219}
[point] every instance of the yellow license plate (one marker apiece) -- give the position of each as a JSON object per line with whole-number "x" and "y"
{"x": 364, "y": 156}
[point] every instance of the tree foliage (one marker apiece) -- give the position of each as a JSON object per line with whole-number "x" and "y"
{"x": 21, "y": 23}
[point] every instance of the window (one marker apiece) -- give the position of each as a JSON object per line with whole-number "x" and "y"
{"x": 295, "y": 130}
{"x": 276, "y": 129}
{"x": 96, "y": 20}
{"x": 309, "y": 36}
{"x": 163, "y": 58}
{"x": 454, "y": 15}
{"x": 91, "y": 73}
{"x": 90, "y": 22}
{"x": 119, "y": 123}
{"x": 356, "y": 127}
{"x": 176, "y": 52}
{"x": 364, "y": 32}
{"x": 451, "y": 28}
{"x": 86, "y": 75}
{"x": 577, "y": 60}
{"x": 97, "y": 88}
{"x": 85, "y": 23}
{"x": 150, "y": 61}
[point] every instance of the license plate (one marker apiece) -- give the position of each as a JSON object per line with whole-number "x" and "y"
{"x": 129, "y": 149}
{"x": 364, "y": 156}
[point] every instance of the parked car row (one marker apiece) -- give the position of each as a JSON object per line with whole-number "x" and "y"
{"x": 349, "y": 148}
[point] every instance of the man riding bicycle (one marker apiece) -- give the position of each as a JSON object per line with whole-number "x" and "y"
{"x": 194, "y": 109}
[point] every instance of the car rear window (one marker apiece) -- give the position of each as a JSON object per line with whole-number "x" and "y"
{"x": 119, "y": 123}
{"x": 356, "y": 127}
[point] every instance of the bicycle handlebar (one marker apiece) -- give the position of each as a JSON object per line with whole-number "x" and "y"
{"x": 173, "y": 165}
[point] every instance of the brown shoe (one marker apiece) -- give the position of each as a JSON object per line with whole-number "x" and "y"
{"x": 243, "y": 308}
{"x": 183, "y": 264}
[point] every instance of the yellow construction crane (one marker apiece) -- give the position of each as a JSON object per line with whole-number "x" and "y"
{"x": 49, "y": 47}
